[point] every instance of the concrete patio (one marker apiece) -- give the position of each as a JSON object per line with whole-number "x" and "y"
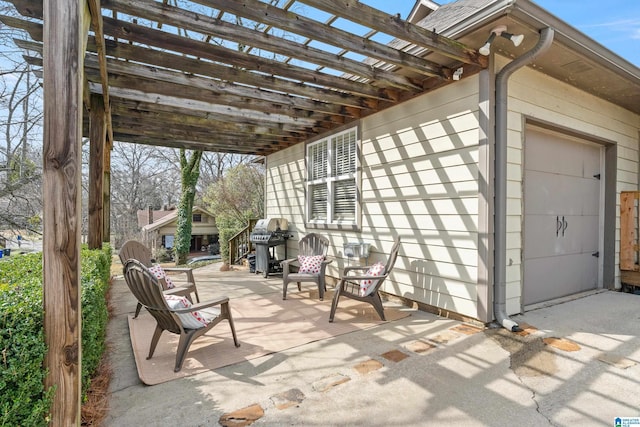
{"x": 578, "y": 364}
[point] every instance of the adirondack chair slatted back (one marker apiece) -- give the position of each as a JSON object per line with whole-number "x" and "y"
{"x": 132, "y": 249}
{"x": 393, "y": 256}
{"x": 313, "y": 244}
{"x": 149, "y": 293}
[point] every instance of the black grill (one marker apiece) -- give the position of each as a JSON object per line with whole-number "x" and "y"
{"x": 272, "y": 239}
{"x": 266, "y": 237}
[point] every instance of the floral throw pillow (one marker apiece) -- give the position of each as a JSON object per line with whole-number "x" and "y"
{"x": 310, "y": 264}
{"x": 160, "y": 274}
{"x": 193, "y": 320}
{"x": 368, "y": 285}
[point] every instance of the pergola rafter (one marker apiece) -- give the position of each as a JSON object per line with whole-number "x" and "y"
{"x": 293, "y": 70}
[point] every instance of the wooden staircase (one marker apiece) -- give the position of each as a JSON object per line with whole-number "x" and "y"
{"x": 240, "y": 245}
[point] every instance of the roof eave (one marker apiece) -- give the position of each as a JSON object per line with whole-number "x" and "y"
{"x": 565, "y": 34}
{"x": 538, "y": 18}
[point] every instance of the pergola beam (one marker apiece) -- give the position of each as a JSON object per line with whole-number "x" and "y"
{"x": 218, "y": 28}
{"x": 286, "y": 20}
{"x": 172, "y": 42}
{"x": 195, "y": 104}
{"x": 135, "y": 76}
{"x": 370, "y": 17}
{"x": 96, "y": 22}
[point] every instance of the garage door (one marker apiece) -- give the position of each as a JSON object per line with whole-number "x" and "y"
{"x": 561, "y": 216}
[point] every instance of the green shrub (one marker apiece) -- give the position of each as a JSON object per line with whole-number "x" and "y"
{"x": 95, "y": 268}
{"x": 23, "y": 398}
{"x": 163, "y": 255}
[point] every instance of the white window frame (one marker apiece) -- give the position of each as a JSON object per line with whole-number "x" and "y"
{"x": 330, "y": 180}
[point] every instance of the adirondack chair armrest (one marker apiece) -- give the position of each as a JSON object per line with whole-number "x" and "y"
{"x": 364, "y": 277}
{"x": 347, "y": 270}
{"x": 285, "y": 263}
{"x": 182, "y": 270}
{"x": 179, "y": 269}
{"x": 179, "y": 290}
{"x": 201, "y": 305}
{"x": 324, "y": 264}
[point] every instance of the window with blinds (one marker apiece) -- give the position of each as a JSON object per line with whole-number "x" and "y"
{"x": 319, "y": 199}
{"x": 331, "y": 179}
{"x": 318, "y": 161}
{"x": 344, "y": 200}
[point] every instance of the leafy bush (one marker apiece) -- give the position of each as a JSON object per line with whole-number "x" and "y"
{"x": 95, "y": 268}
{"x": 23, "y": 398}
{"x": 234, "y": 200}
{"x": 163, "y": 255}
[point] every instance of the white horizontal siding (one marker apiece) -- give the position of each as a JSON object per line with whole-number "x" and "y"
{"x": 284, "y": 192}
{"x": 431, "y": 191}
{"x": 419, "y": 171}
{"x": 419, "y": 181}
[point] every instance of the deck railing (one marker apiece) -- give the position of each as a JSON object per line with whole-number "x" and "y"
{"x": 240, "y": 245}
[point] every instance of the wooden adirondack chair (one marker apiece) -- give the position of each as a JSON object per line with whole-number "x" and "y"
{"x": 310, "y": 245}
{"x": 132, "y": 249}
{"x": 200, "y": 318}
{"x": 349, "y": 285}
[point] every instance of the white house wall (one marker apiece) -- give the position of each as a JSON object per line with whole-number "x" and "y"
{"x": 534, "y": 96}
{"x": 284, "y": 193}
{"x": 419, "y": 180}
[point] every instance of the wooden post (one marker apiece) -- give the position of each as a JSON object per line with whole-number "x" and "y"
{"x": 62, "y": 61}
{"x": 106, "y": 192}
{"x": 628, "y": 224}
{"x": 97, "y": 135}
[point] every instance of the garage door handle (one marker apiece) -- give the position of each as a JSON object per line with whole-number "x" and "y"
{"x": 565, "y": 224}
{"x": 558, "y": 226}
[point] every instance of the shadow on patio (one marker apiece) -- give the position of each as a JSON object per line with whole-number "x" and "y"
{"x": 419, "y": 370}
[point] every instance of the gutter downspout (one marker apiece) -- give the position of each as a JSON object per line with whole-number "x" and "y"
{"x": 500, "y": 218}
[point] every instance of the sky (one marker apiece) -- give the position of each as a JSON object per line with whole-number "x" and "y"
{"x": 614, "y": 24}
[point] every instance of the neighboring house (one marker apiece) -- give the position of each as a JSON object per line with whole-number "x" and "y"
{"x": 159, "y": 227}
{"x": 563, "y": 131}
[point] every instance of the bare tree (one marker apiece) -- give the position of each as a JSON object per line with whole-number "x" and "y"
{"x": 20, "y": 137}
{"x": 139, "y": 179}
{"x": 214, "y": 165}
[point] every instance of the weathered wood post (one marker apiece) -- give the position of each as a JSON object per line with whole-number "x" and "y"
{"x": 97, "y": 141}
{"x": 106, "y": 193}
{"x": 62, "y": 60}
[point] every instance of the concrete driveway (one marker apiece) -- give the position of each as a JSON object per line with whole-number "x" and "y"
{"x": 577, "y": 364}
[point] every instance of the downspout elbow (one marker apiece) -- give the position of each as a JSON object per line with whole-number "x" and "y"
{"x": 500, "y": 218}
{"x": 544, "y": 43}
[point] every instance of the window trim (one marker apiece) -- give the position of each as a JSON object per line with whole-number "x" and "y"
{"x": 355, "y": 224}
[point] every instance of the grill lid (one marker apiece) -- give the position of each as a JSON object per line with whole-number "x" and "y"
{"x": 270, "y": 225}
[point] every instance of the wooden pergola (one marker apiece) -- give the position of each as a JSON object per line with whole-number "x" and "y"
{"x": 239, "y": 76}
